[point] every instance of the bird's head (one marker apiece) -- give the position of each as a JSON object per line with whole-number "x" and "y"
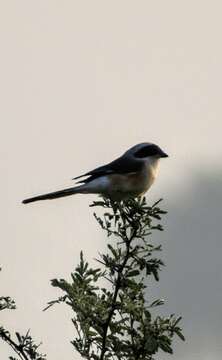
{"x": 146, "y": 151}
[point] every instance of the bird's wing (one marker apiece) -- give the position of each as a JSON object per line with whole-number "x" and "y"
{"x": 122, "y": 165}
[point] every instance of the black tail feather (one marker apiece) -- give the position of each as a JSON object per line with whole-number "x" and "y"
{"x": 53, "y": 195}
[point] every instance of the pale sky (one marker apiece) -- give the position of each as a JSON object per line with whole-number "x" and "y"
{"x": 82, "y": 81}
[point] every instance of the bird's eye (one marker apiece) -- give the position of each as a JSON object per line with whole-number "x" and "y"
{"x": 149, "y": 150}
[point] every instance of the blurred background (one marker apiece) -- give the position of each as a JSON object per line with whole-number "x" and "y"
{"x": 80, "y": 83}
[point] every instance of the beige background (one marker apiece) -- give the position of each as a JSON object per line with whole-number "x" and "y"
{"x": 81, "y": 81}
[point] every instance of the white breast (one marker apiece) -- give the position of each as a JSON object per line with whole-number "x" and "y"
{"x": 152, "y": 165}
{"x": 152, "y": 168}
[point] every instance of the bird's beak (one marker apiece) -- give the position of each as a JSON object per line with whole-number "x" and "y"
{"x": 163, "y": 154}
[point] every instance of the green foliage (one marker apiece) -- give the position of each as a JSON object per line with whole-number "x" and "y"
{"x": 23, "y": 346}
{"x": 116, "y": 321}
{"x": 6, "y": 303}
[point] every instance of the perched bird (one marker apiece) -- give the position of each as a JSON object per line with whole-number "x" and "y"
{"x": 129, "y": 176}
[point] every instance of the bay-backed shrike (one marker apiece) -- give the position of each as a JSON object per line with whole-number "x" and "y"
{"x": 129, "y": 176}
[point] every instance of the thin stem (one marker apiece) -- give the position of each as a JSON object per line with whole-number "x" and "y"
{"x": 116, "y": 291}
{"x": 18, "y": 349}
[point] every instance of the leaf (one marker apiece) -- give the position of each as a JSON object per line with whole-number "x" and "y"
{"x": 133, "y": 273}
{"x": 114, "y": 252}
{"x": 177, "y": 321}
{"x": 157, "y": 303}
{"x": 166, "y": 347}
{"x": 179, "y": 333}
{"x": 18, "y": 337}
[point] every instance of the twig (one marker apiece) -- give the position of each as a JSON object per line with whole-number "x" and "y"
{"x": 117, "y": 288}
{"x": 17, "y": 348}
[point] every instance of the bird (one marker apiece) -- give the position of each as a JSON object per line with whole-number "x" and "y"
{"x": 128, "y": 176}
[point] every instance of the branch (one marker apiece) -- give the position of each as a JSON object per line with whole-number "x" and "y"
{"x": 116, "y": 291}
{"x": 17, "y": 348}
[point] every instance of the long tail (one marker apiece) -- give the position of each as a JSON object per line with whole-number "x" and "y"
{"x": 54, "y": 195}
